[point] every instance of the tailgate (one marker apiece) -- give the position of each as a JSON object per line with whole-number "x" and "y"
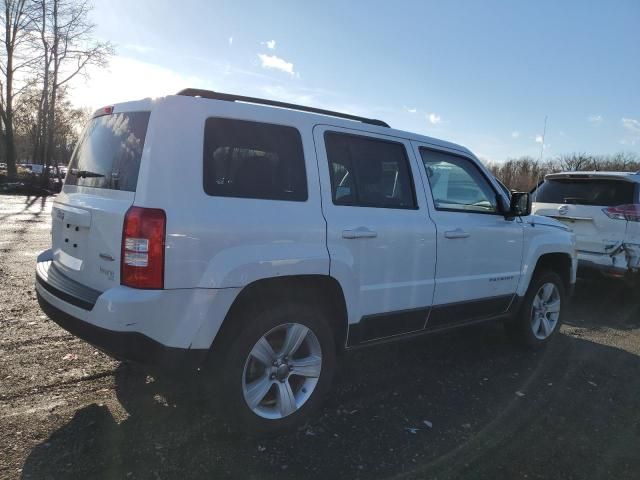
{"x": 88, "y": 215}
{"x": 595, "y": 232}
{"x": 86, "y": 235}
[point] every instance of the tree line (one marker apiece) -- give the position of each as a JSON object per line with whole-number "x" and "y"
{"x": 524, "y": 173}
{"x": 43, "y": 46}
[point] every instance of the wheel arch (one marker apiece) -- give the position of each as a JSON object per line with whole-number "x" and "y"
{"x": 322, "y": 290}
{"x": 558, "y": 262}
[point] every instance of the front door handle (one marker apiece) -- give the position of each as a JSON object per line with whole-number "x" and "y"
{"x": 360, "y": 232}
{"x": 457, "y": 233}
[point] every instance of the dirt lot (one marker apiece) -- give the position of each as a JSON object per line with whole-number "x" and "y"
{"x": 460, "y": 405}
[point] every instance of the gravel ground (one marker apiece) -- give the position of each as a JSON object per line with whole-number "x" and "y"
{"x": 465, "y": 404}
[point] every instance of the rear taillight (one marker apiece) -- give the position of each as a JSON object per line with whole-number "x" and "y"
{"x": 630, "y": 213}
{"x": 142, "y": 258}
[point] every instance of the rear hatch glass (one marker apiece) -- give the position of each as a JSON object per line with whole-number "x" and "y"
{"x": 108, "y": 154}
{"x": 604, "y": 193}
{"x": 87, "y": 222}
{"x": 579, "y": 204}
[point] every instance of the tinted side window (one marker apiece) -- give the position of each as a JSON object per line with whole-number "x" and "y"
{"x": 368, "y": 172}
{"x": 457, "y": 184}
{"x": 604, "y": 193}
{"x": 253, "y": 160}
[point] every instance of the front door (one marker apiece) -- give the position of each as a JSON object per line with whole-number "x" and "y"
{"x": 479, "y": 251}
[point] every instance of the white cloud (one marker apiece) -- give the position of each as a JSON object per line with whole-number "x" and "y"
{"x": 515, "y": 134}
{"x": 434, "y": 118}
{"x": 271, "y": 44}
{"x": 539, "y": 139}
{"x": 631, "y": 125}
{"x": 410, "y": 109}
{"x": 632, "y": 128}
{"x": 276, "y": 63}
{"x": 230, "y": 40}
{"x": 139, "y": 48}
{"x": 595, "y": 119}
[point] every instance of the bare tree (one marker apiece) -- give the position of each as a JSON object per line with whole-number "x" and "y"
{"x": 524, "y": 173}
{"x": 69, "y": 49}
{"x": 16, "y": 22}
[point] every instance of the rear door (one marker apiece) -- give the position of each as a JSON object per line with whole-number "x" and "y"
{"x": 88, "y": 215}
{"x": 479, "y": 251}
{"x": 580, "y": 201}
{"x": 380, "y": 238}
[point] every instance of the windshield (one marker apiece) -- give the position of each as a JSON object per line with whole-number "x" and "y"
{"x": 108, "y": 154}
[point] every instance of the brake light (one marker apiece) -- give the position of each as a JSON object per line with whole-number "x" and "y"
{"x": 630, "y": 213}
{"x": 143, "y": 239}
{"x": 103, "y": 111}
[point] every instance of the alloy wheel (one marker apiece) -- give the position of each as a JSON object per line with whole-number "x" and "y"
{"x": 282, "y": 371}
{"x": 545, "y": 311}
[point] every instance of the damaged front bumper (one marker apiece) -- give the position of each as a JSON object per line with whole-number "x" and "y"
{"x": 620, "y": 260}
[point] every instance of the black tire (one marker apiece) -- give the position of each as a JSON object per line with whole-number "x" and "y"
{"x": 230, "y": 354}
{"x": 520, "y": 329}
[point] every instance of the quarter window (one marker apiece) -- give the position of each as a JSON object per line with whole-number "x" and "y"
{"x": 457, "y": 184}
{"x": 253, "y": 160}
{"x": 368, "y": 172}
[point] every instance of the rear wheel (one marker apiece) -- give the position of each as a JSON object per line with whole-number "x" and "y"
{"x": 540, "y": 315}
{"x": 275, "y": 371}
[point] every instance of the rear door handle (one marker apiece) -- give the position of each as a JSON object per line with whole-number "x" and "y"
{"x": 360, "y": 232}
{"x": 457, "y": 233}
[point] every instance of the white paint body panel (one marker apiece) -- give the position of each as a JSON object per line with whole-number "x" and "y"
{"x": 215, "y": 246}
{"x": 180, "y": 318}
{"x": 544, "y": 236}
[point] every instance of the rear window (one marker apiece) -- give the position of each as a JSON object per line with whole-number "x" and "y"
{"x": 253, "y": 160}
{"x": 605, "y": 193}
{"x": 109, "y": 151}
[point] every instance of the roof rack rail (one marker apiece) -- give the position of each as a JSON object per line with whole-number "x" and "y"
{"x": 210, "y": 94}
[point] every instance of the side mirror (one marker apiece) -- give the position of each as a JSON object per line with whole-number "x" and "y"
{"x": 520, "y": 204}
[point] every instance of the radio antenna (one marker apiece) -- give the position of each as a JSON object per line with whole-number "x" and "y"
{"x": 544, "y": 133}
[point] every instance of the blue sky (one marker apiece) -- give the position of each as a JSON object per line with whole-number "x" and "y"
{"x": 483, "y": 74}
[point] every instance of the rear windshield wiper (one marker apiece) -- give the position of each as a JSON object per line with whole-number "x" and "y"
{"x": 86, "y": 173}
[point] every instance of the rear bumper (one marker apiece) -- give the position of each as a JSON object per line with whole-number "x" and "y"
{"x": 608, "y": 265}
{"x": 132, "y": 346}
{"x": 165, "y": 328}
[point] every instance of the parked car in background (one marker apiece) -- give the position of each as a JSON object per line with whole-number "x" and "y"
{"x": 283, "y": 236}
{"x": 34, "y": 168}
{"x": 603, "y": 209}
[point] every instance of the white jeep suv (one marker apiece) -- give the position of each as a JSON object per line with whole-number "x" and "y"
{"x": 603, "y": 210}
{"x": 257, "y": 240}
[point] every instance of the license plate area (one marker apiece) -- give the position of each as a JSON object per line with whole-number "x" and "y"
{"x": 73, "y": 239}
{"x": 70, "y": 233}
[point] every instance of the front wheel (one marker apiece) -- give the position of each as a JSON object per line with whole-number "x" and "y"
{"x": 277, "y": 368}
{"x": 540, "y": 315}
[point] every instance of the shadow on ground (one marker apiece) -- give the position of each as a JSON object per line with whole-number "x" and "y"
{"x": 30, "y": 200}
{"x": 569, "y": 411}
